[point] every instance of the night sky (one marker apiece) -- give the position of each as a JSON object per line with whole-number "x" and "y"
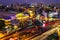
{"x": 29, "y": 1}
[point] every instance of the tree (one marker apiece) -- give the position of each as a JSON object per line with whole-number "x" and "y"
{"x": 2, "y": 24}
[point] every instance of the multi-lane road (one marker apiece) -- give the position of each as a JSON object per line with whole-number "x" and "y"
{"x": 46, "y": 34}
{"x": 34, "y": 37}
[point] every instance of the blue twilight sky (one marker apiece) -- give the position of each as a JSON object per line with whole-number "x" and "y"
{"x": 29, "y": 1}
